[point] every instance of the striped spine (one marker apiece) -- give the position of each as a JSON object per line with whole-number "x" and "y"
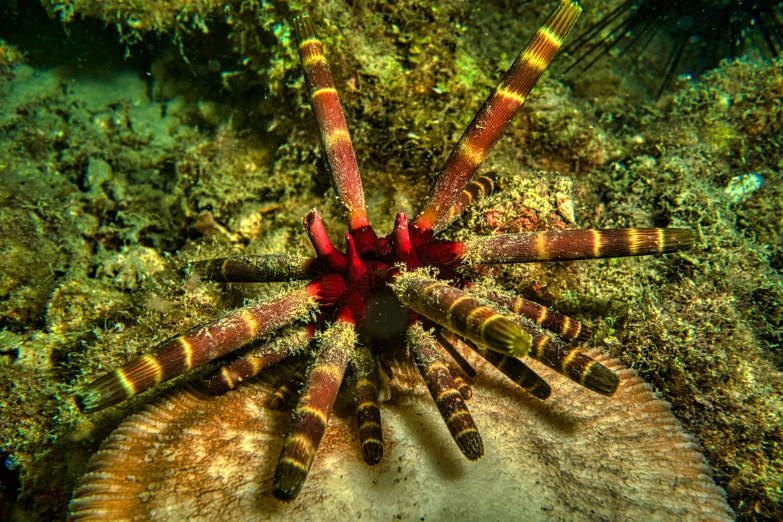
{"x": 460, "y": 313}
{"x": 569, "y": 245}
{"x": 449, "y": 347}
{"x": 256, "y": 269}
{"x": 285, "y": 392}
{"x": 566, "y": 328}
{"x": 496, "y": 113}
{"x": 198, "y": 346}
{"x": 259, "y": 359}
{"x": 570, "y": 362}
{"x": 315, "y": 405}
{"x": 476, "y": 189}
{"x": 368, "y": 413}
{"x": 459, "y": 383}
{"x": 448, "y": 399}
{"x": 519, "y": 373}
{"x": 329, "y": 117}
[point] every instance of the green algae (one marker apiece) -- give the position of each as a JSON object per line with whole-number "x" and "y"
{"x": 124, "y": 182}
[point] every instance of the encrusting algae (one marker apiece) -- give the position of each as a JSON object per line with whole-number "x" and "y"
{"x": 218, "y": 156}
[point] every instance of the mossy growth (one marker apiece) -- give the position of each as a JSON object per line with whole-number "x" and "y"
{"x": 703, "y": 326}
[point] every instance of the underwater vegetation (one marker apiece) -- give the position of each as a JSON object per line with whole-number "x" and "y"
{"x": 693, "y": 35}
{"x": 131, "y": 175}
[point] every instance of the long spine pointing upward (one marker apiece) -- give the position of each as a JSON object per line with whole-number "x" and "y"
{"x": 330, "y": 119}
{"x": 496, "y": 113}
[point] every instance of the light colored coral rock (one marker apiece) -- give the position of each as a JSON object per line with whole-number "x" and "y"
{"x": 577, "y": 456}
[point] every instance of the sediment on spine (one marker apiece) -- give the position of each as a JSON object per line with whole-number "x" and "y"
{"x": 258, "y": 359}
{"x": 312, "y": 413}
{"x": 256, "y": 269}
{"x": 496, "y": 113}
{"x": 198, "y": 346}
{"x": 569, "y": 245}
{"x": 447, "y": 397}
{"x": 460, "y": 313}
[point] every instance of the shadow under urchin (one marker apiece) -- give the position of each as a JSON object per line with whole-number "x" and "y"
{"x": 695, "y": 35}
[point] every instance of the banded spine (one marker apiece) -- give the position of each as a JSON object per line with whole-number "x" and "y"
{"x": 462, "y": 386}
{"x": 256, "y": 269}
{"x": 315, "y": 404}
{"x": 329, "y": 117}
{"x": 460, "y": 313}
{"x": 198, "y": 346}
{"x": 449, "y": 347}
{"x": 286, "y": 391}
{"x": 571, "y": 363}
{"x": 437, "y": 376}
{"x": 519, "y": 373}
{"x": 259, "y": 359}
{"x": 496, "y": 113}
{"x": 569, "y": 245}
{"x": 368, "y": 413}
{"x": 566, "y": 328}
{"x": 478, "y": 188}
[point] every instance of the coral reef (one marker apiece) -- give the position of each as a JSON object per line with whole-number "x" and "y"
{"x": 110, "y": 185}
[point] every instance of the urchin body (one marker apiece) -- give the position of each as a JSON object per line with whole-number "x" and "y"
{"x": 400, "y": 296}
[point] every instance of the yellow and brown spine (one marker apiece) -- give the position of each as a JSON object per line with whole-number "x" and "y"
{"x": 256, "y": 269}
{"x": 460, "y": 383}
{"x": 569, "y": 245}
{"x": 456, "y": 362}
{"x": 572, "y": 363}
{"x": 368, "y": 413}
{"x": 285, "y": 392}
{"x": 517, "y": 371}
{"x": 198, "y": 346}
{"x": 475, "y": 190}
{"x": 258, "y": 359}
{"x": 566, "y": 328}
{"x": 315, "y": 404}
{"x": 446, "y": 341}
{"x": 453, "y": 309}
{"x": 329, "y": 117}
{"x": 496, "y": 113}
{"x": 448, "y": 399}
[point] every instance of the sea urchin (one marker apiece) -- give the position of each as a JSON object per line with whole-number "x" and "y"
{"x": 394, "y": 298}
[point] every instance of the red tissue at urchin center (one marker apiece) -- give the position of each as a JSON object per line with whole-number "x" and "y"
{"x": 357, "y": 278}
